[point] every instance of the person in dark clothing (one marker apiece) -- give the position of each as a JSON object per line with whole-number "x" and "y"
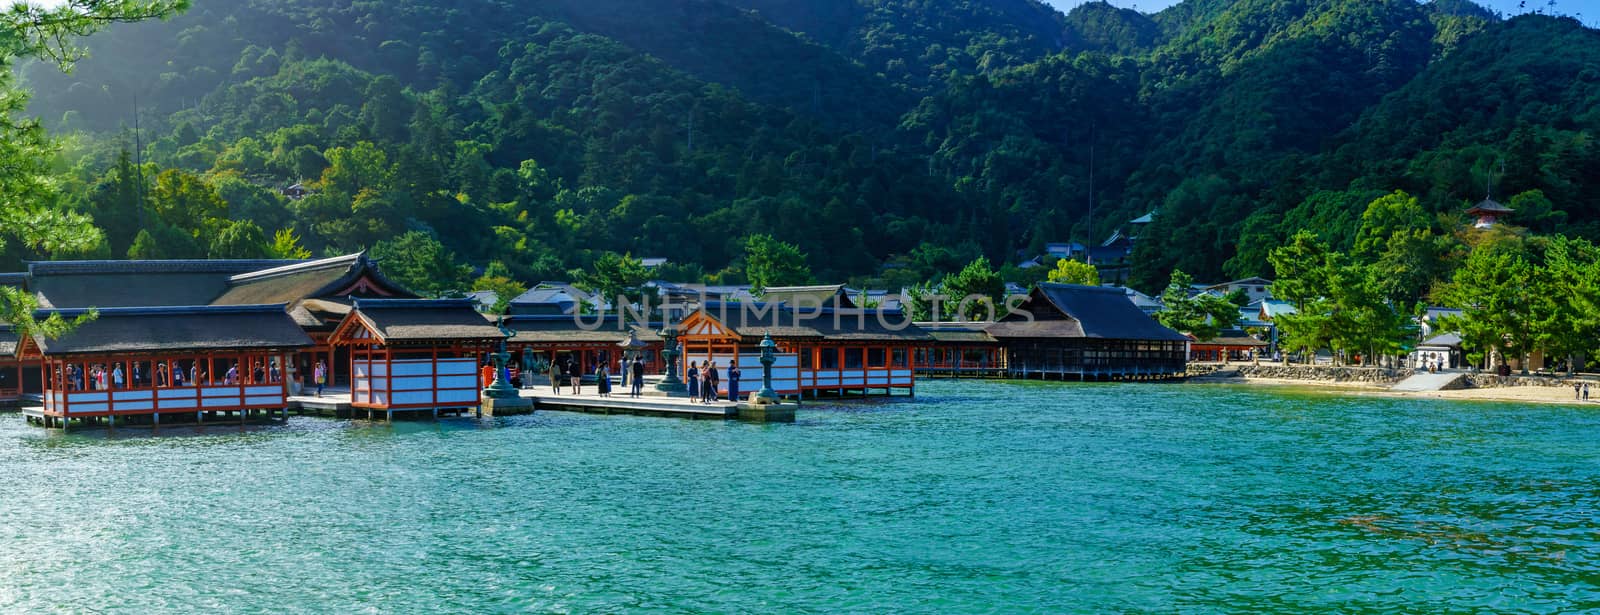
{"x": 733, "y": 381}
{"x": 637, "y": 378}
{"x": 694, "y": 381}
{"x": 713, "y": 379}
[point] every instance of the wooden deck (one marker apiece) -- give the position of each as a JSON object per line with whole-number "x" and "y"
{"x": 649, "y": 405}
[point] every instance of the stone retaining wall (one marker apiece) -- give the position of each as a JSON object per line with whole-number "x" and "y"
{"x": 1488, "y": 381}
{"x": 1324, "y": 373}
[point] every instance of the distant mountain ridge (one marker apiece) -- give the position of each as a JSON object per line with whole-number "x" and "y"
{"x": 870, "y": 132}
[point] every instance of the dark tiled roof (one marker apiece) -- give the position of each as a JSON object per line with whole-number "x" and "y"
{"x": 1066, "y": 310}
{"x": 214, "y": 266}
{"x": 425, "y": 320}
{"x": 153, "y": 329}
{"x": 808, "y": 296}
{"x": 82, "y": 284}
{"x": 1446, "y": 340}
{"x": 1233, "y": 337}
{"x": 18, "y": 280}
{"x": 1490, "y": 206}
{"x": 960, "y": 336}
{"x": 567, "y": 329}
{"x": 292, "y": 283}
{"x": 824, "y": 324}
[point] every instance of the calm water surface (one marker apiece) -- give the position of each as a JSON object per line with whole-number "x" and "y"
{"x": 976, "y": 497}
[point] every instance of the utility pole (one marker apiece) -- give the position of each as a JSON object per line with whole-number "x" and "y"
{"x": 138, "y": 159}
{"x": 1090, "y": 232}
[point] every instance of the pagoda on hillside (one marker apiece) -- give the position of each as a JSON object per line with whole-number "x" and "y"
{"x": 1488, "y": 212}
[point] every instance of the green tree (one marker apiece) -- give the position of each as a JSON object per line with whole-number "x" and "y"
{"x": 28, "y": 191}
{"x": 1069, "y": 271}
{"x": 1203, "y": 315}
{"x": 1389, "y": 214}
{"x": 616, "y": 278}
{"x": 286, "y": 245}
{"x": 419, "y": 262}
{"x": 117, "y": 203}
{"x": 239, "y": 239}
{"x": 185, "y": 201}
{"x": 164, "y": 241}
{"x": 1494, "y": 290}
{"x": 1566, "y": 307}
{"x": 497, "y": 278}
{"x": 769, "y": 262}
{"x": 974, "y": 293}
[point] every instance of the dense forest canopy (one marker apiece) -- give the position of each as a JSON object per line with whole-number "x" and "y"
{"x": 890, "y": 140}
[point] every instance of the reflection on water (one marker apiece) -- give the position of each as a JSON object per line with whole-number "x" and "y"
{"x": 974, "y": 497}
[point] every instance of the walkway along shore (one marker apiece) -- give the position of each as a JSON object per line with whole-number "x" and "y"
{"x": 1378, "y": 382}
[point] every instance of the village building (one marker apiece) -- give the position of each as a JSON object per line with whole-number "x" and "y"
{"x": 188, "y": 361}
{"x": 586, "y": 341}
{"x": 1231, "y": 345}
{"x": 1254, "y": 289}
{"x": 556, "y": 298}
{"x": 1486, "y": 213}
{"x": 1443, "y": 351}
{"x": 1088, "y": 333}
{"x": 415, "y": 354}
{"x": 959, "y": 349}
{"x": 241, "y": 327}
{"x": 822, "y": 350}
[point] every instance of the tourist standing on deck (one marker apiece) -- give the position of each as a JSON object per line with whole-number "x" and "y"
{"x": 637, "y": 377}
{"x": 694, "y": 381}
{"x": 321, "y": 375}
{"x": 574, "y": 371}
{"x": 555, "y": 377}
{"x": 602, "y": 379}
{"x": 713, "y": 379}
{"x": 1585, "y": 391}
{"x": 116, "y": 377}
{"x": 161, "y": 374}
{"x": 733, "y": 380}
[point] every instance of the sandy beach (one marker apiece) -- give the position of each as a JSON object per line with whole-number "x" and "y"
{"x": 1525, "y": 394}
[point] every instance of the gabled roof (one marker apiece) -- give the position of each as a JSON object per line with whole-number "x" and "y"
{"x": 1444, "y": 340}
{"x": 106, "y": 284}
{"x": 1234, "y": 338}
{"x": 176, "y": 328}
{"x": 1069, "y": 310}
{"x": 1489, "y": 206}
{"x": 751, "y": 321}
{"x": 8, "y": 341}
{"x": 829, "y": 295}
{"x": 957, "y": 332}
{"x": 419, "y": 320}
{"x": 563, "y": 329}
{"x": 1144, "y": 219}
{"x": 323, "y": 278}
{"x": 1243, "y": 282}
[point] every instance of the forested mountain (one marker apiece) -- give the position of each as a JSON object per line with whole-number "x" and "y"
{"x": 887, "y": 138}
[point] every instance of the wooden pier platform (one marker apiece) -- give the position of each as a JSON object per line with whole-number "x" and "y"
{"x": 649, "y": 405}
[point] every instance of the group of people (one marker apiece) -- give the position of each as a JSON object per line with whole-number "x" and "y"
{"x": 1432, "y": 365}
{"x": 1580, "y": 391}
{"x": 98, "y": 377}
{"x": 704, "y": 381}
{"x": 568, "y": 372}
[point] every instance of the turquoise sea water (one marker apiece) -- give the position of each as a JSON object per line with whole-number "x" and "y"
{"x": 977, "y": 497}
